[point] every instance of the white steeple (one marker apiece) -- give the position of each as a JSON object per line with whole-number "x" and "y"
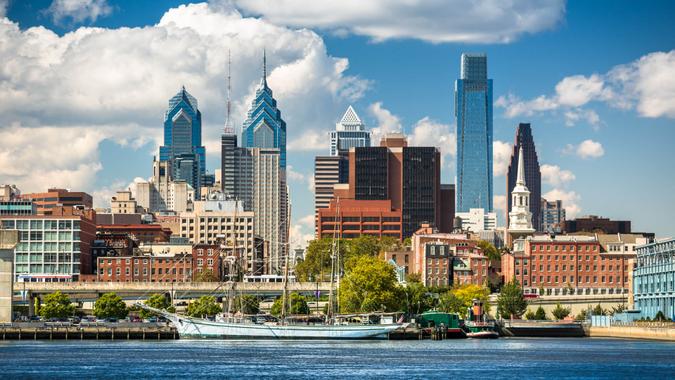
{"x": 520, "y": 217}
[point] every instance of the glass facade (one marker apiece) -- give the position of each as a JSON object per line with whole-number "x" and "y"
{"x": 654, "y": 279}
{"x": 473, "y": 110}
{"x": 371, "y": 173}
{"x": 183, "y": 140}
{"x": 48, "y": 249}
{"x": 420, "y": 180}
{"x": 264, "y": 127}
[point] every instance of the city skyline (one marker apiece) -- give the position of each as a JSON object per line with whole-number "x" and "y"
{"x": 601, "y": 131}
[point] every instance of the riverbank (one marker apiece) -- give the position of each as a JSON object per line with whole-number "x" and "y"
{"x": 632, "y": 332}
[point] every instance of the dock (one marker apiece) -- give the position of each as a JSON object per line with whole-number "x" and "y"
{"x": 88, "y": 331}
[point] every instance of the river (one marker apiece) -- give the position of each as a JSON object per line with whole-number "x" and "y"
{"x": 478, "y": 359}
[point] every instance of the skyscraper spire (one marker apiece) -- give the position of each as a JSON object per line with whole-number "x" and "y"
{"x": 520, "y": 180}
{"x": 264, "y": 77}
{"x": 228, "y": 121}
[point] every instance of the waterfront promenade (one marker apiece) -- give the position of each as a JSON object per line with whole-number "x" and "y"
{"x": 641, "y": 330}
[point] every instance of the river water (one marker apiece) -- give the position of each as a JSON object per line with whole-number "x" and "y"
{"x": 467, "y": 359}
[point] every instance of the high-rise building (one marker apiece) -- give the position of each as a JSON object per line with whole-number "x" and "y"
{"x": 264, "y": 127}
{"x": 123, "y": 203}
{"x": 525, "y": 141}
{"x": 269, "y": 202}
{"x": 328, "y": 171}
{"x": 392, "y": 190}
{"x": 473, "y": 110}
{"x": 182, "y": 147}
{"x": 350, "y": 132}
{"x": 162, "y": 193}
{"x": 237, "y": 171}
{"x": 552, "y": 216}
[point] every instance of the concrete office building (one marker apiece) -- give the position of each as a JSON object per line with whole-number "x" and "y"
{"x": 55, "y": 247}
{"x": 552, "y": 216}
{"x": 477, "y": 220}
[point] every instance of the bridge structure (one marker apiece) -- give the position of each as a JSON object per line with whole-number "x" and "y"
{"x": 26, "y": 292}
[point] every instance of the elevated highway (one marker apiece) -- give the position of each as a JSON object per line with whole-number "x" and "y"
{"x": 87, "y": 291}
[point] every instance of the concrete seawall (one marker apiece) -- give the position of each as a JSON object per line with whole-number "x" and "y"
{"x": 634, "y": 332}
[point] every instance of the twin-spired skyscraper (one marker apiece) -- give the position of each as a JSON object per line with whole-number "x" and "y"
{"x": 473, "y": 110}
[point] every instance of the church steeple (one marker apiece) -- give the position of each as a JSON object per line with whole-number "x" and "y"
{"x": 520, "y": 217}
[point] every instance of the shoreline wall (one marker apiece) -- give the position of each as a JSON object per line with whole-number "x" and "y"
{"x": 633, "y": 332}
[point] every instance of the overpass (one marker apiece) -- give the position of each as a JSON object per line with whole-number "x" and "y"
{"x": 88, "y": 291}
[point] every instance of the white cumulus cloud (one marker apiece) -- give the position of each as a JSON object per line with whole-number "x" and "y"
{"x": 501, "y": 157}
{"x": 387, "y": 122}
{"x": 114, "y": 84}
{"x": 586, "y": 149}
{"x": 428, "y": 132}
{"x": 646, "y": 85}
{"x": 78, "y": 11}
{"x": 555, "y": 176}
{"x": 435, "y": 21}
{"x": 570, "y": 201}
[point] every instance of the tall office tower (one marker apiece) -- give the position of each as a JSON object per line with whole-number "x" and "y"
{"x": 269, "y": 201}
{"x": 328, "y": 171}
{"x": 473, "y": 110}
{"x": 264, "y": 127}
{"x": 350, "y": 132}
{"x": 183, "y": 140}
{"x": 525, "y": 141}
{"x": 552, "y": 216}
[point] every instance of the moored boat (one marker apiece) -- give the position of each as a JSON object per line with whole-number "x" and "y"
{"x": 478, "y": 325}
{"x": 190, "y": 327}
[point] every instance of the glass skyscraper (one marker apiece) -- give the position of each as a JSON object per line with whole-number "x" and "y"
{"x": 183, "y": 140}
{"x": 473, "y": 110}
{"x": 264, "y": 127}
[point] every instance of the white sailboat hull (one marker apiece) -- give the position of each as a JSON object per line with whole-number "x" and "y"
{"x": 199, "y": 328}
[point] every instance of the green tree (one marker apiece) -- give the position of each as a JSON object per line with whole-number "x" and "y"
{"x": 158, "y": 301}
{"x": 582, "y": 316}
{"x": 317, "y": 262}
{"x": 489, "y": 250}
{"x": 511, "y": 303}
{"x": 206, "y": 276}
{"x": 36, "y": 305}
{"x": 298, "y": 305}
{"x": 110, "y": 305}
{"x": 618, "y": 309}
{"x": 598, "y": 310}
{"x": 530, "y": 315}
{"x": 364, "y": 245}
{"x": 246, "y": 304}
{"x": 57, "y": 305}
{"x": 369, "y": 285}
{"x": 449, "y": 303}
{"x": 560, "y": 312}
{"x": 204, "y": 306}
{"x": 540, "y": 314}
{"x": 417, "y": 298}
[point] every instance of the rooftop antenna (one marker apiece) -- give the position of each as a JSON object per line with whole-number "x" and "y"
{"x": 228, "y": 120}
{"x": 264, "y": 78}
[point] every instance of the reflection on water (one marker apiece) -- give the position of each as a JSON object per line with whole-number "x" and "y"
{"x": 503, "y": 358}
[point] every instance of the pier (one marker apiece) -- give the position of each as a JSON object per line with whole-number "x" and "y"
{"x": 89, "y": 331}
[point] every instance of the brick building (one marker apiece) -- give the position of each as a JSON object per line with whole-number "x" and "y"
{"x": 169, "y": 268}
{"x": 141, "y": 233}
{"x": 390, "y": 181}
{"x": 54, "y": 198}
{"x": 572, "y": 264}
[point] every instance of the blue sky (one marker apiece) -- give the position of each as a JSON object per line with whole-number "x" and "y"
{"x": 595, "y": 79}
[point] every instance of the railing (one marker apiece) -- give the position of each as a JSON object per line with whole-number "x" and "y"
{"x": 646, "y": 324}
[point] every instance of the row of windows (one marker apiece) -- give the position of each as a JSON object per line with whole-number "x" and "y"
{"x": 41, "y": 224}
{"x": 556, "y": 247}
{"x": 580, "y": 279}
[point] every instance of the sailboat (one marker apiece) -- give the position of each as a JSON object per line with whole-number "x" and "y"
{"x": 191, "y": 327}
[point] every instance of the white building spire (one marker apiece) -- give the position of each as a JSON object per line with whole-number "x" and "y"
{"x": 520, "y": 217}
{"x": 521, "y": 169}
